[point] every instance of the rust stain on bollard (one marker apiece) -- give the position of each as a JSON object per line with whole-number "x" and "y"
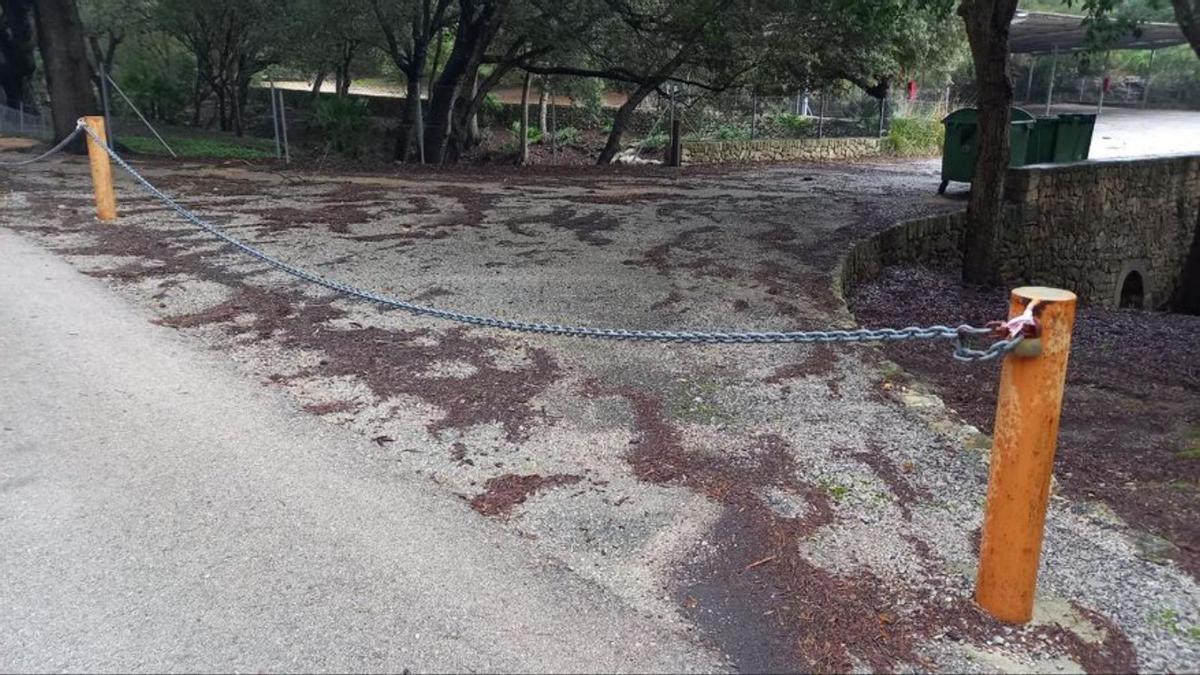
{"x": 1028, "y": 410}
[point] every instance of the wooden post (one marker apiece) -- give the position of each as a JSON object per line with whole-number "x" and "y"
{"x": 1026, "y": 430}
{"x": 102, "y": 185}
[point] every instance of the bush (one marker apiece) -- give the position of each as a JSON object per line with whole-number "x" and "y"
{"x": 342, "y": 122}
{"x": 566, "y": 136}
{"x": 916, "y": 136}
{"x": 729, "y": 132}
{"x": 794, "y": 126}
{"x": 533, "y": 133}
{"x": 654, "y": 141}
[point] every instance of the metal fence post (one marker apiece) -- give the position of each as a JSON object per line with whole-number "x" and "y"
{"x": 275, "y": 122}
{"x": 1026, "y": 430}
{"x": 104, "y": 102}
{"x": 102, "y": 185}
{"x": 287, "y": 152}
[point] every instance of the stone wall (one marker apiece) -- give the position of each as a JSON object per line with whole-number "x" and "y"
{"x": 1083, "y": 226}
{"x": 778, "y": 150}
{"x": 1091, "y": 223}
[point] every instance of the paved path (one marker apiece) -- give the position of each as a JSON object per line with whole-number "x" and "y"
{"x": 159, "y": 513}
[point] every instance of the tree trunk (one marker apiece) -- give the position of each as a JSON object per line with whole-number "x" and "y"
{"x": 1187, "y": 298}
{"x": 16, "y": 53}
{"x": 622, "y": 119}
{"x": 523, "y": 156}
{"x": 64, "y": 56}
{"x": 543, "y": 108}
{"x": 316, "y": 87}
{"x": 987, "y": 23}
{"x": 1187, "y": 13}
{"x": 477, "y": 25}
{"x": 407, "y": 144}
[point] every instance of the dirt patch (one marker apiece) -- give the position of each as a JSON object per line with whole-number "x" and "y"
{"x": 502, "y": 493}
{"x": 390, "y": 362}
{"x": 820, "y": 361}
{"x": 1130, "y": 432}
{"x": 338, "y": 218}
{"x": 893, "y": 476}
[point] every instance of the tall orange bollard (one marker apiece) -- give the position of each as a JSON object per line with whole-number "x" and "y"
{"x": 1026, "y": 432}
{"x": 102, "y": 185}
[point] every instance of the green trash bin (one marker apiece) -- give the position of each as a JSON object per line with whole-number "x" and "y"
{"x": 1074, "y": 138}
{"x": 1041, "y": 141}
{"x": 961, "y": 145}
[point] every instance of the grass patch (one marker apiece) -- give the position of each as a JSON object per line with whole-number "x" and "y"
{"x": 203, "y": 148}
{"x": 916, "y": 136}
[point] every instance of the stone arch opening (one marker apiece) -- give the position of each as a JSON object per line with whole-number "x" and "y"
{"x": 1133, "y": 291}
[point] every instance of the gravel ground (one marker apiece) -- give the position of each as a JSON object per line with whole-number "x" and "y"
{"x": 801, "y": 508}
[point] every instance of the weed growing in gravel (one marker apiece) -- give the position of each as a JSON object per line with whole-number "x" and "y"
{"x": 1169, "y": 619}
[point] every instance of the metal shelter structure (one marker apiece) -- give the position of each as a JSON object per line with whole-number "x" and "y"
{"x": 1047, "y": 33}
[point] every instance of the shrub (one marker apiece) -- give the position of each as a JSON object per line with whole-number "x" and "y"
{"x": 730, "y": 132}
{"x": 342, "y": 122}
{"x": 916, "y": 136}
{"x": 533, "y": 133}
{"x": 794, "y": 126}
{"x": 566, "y": 136}
{"x": 654, "y": 141}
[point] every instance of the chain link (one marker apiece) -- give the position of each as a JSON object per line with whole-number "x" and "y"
{"x": 57, "y": 148}
{"x": 961, "y": 334}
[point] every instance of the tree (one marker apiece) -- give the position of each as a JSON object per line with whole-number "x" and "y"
{"x": 988, "y": 23}
{"x": 409, "y": 28}
{"x": 232, "y": 41}
{"x": 17, "y": 64}
{"x": 1187, "y": 13}
{"x": 68, "y": 77}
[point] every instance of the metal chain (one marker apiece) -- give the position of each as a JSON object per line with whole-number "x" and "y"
{"x": 57, "y": 148}
{"x": 960, "y": 335}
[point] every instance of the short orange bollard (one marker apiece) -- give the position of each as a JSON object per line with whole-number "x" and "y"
{"x": 102, "y": 185}
{"x": 1026, "y": 432}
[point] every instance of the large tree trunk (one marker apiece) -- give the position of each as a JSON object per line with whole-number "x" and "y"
{"x": 64, "y": 56}
{"x": 1187, "y": 13}
{"x": 477, "y": 25}
{"x": 17, "y": 64}
{"x": 1187, "y": 298}
{"x": 408, "y": 144}
{"x": 523, "y": 156}
{"x": 987, "y": 23}
{"x": 622, "y": 119}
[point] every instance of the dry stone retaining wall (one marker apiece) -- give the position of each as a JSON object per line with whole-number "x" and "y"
{"x": 1082, "y": 226}
{"x": 779, "y": 150}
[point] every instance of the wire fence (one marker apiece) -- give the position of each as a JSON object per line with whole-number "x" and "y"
{"x": 19, "y": 122}
{"x": 746, "y": 115}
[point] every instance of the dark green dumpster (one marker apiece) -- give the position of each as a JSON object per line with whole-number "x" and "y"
{"x": 1074, "y": 138}
{"x": 1041, "y": 141}
{"x": 961, "y": 146}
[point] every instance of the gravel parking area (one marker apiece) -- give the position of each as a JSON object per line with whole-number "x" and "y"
{"x": 796, "y": 507}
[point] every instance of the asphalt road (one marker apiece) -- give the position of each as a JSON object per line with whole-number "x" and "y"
{"x": 160, "y": 513}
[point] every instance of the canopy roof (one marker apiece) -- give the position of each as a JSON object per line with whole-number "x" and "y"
{"x": 1045, "y": 32}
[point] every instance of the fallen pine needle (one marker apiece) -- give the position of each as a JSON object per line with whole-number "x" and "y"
{"x": 764, "y": 561}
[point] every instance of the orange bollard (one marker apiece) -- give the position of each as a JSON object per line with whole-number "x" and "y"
{"x": 1026, "y": 431}
{"x": 102, "y": 185}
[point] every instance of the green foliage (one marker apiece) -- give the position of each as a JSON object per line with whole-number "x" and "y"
{"x": 567, "y": 136}
{"x": 533, "y": 133}
{"x": 655, "y": 141}
{"x": 916, "y": 136}
{"x": 342, "y": 122}
{"x": 794, "y": 126}
{"x": 202, "y": 148}
{"x": 732, "y": 132}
